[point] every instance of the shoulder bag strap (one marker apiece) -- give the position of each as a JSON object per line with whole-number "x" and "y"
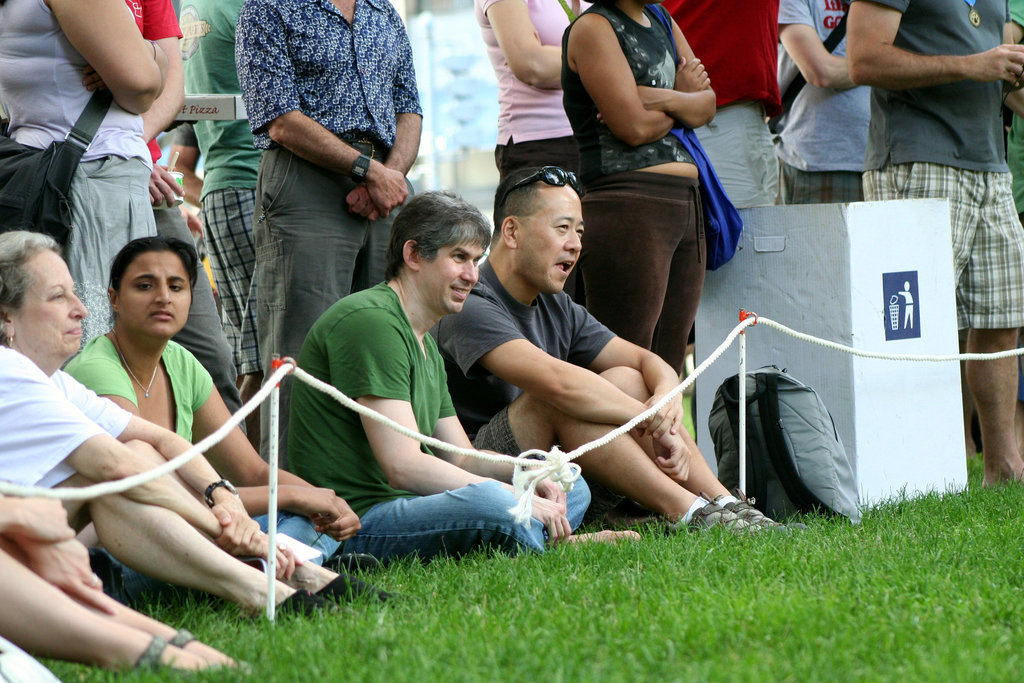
{"x": 90, "y": 119}
{"x": 662, "y": 15}
{"x": 798, "y": 82}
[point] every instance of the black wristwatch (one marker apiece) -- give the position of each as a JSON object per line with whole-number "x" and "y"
{"x": 360, "y": 167}
{"x": 216, "y": 485}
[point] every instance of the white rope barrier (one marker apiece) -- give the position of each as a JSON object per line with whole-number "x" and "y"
{"x": 530, "y": 467}
{"x": 121, "y": 485}
{"x": 835, "y": 346}
{"x": 528, "y": 471}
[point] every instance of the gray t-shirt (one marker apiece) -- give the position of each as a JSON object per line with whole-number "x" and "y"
{"x": 825, "y": 129}
{"x": 956, "y": 124}
{"x": 491, "y": 317}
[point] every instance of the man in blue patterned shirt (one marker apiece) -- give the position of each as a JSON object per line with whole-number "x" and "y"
{"x": 331, "y": 96}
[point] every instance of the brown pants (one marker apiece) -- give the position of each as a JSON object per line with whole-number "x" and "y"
{"x": 644, "y": 257}
{"x": 552, "y": 152}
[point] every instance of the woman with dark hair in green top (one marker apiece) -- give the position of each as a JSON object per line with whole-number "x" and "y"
{"x": 137, "y": 366}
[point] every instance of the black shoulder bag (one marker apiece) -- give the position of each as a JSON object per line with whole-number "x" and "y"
{"x": 35, "y": 184}
{"x": 798, "y": 82}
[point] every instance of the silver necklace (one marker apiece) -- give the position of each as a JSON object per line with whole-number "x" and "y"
{"x": 128, "y": 368}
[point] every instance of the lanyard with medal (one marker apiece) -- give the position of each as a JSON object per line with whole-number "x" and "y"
{"x": 973, "y": 15}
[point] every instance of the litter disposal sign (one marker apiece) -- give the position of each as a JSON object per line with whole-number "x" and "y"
{"x": 901, "y": 305}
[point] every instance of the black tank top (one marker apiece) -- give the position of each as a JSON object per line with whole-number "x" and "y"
{"x": 648, "y": 50}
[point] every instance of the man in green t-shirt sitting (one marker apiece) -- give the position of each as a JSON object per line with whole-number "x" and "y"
{"x": 374, "y": 347}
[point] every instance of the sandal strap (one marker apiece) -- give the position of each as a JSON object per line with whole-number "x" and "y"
{"x": 182, "y": 638}
{"x": 151, "y": 656}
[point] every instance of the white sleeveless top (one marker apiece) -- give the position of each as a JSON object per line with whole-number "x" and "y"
{"x": 41, "y": 86}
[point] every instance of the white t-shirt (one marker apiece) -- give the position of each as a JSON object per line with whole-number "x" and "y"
{"x": 43, "y": 419}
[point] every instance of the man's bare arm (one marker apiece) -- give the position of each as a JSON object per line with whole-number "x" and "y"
{"x": 817, "y": 65}
{"x": 575, "y": 391}
{"x": 404, "y": 464}
{"x": 308, "y": 139}
{"x": 1013, "y": 33}
{"x": 450, "y": 430}
{"x": 407, "y": 143}
{"x": 375, "y": 199}
{"x": 874, "y": 60}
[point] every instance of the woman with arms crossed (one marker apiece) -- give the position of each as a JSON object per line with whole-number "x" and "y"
{"x": 46, "y": 49}
{"x": 643, "y": 255}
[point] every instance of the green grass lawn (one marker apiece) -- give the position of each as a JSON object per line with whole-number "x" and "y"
{"x": 929, "y": 589}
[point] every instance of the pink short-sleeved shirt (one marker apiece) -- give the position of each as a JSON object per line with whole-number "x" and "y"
{"x": 526, "y": 112}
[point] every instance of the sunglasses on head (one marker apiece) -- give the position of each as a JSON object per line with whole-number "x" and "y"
{"x": 552, "y": 175}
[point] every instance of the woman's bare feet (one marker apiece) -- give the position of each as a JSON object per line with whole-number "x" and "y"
{"x": 605, "y": 536}
{"x": 212, "y": 656}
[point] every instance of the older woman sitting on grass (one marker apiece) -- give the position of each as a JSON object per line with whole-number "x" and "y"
{"x": 54, "y": 432}
{"x": 54, "y": 605}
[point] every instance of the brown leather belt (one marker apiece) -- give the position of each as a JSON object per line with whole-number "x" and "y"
{"x": 366, "y": 144}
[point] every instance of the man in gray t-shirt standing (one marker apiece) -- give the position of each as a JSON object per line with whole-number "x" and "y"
{"x": 825, "y": 130}
{"x": 937, "y": 70}
{"x": 528, "y": 368}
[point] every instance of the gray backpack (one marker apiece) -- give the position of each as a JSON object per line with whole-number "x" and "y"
{"x": 795, "y": 459}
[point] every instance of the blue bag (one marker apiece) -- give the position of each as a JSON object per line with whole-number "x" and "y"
{"x": 722, "y": 222}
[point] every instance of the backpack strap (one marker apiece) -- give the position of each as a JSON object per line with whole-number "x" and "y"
{"x": 757, "y": 480}
{"x": 771, "y": 424}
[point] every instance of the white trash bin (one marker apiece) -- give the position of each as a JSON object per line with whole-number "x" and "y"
{"x": 877, "y": 276}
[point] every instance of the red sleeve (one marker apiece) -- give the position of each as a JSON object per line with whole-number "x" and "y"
{"x": 158, "y": 19}
{"x": 739, "y": 48}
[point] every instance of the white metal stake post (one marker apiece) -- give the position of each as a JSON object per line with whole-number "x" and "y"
{"x": 275, "y": 406}
{"x": 743, "y": 411}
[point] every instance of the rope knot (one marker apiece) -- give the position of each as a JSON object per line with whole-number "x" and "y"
{"x": 556, "y": 467}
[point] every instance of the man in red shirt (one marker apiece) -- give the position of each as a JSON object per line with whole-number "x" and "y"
{"x": 738, "y": 44}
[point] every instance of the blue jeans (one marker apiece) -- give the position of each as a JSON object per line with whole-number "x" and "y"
{"x": 454, "y": 523}
{"x": 302, "y": 529}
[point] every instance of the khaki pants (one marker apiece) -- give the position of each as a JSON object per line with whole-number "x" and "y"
{"x": 310, "y": 252}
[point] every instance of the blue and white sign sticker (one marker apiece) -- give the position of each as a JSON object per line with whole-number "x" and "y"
{"x": 901, "y": 306}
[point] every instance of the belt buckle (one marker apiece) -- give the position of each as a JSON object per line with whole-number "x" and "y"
{"x": 373, "y": 150}
{"x": 359, "y": 143}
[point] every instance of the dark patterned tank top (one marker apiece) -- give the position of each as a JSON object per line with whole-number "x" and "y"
{"x": 648, "y": 50}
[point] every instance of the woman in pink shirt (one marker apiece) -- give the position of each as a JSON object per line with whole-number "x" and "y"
{"x": 524, "y": 43}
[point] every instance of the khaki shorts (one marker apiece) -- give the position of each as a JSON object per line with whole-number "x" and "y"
{"x": 988, "y": 240}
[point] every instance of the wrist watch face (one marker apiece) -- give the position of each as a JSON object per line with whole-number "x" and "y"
{"x": 360, "y": 167}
